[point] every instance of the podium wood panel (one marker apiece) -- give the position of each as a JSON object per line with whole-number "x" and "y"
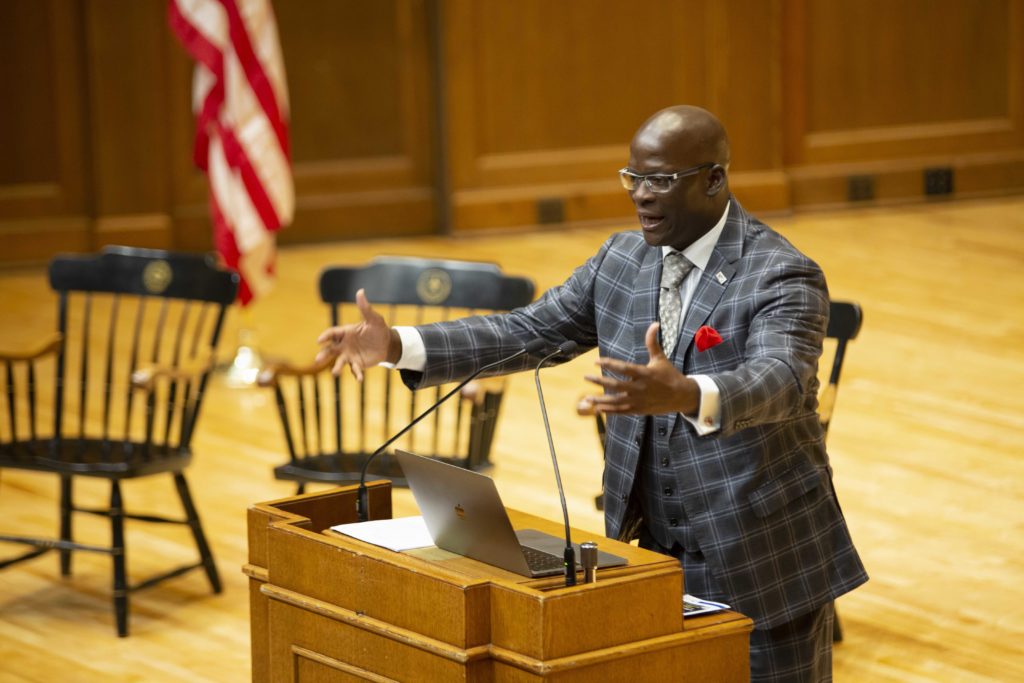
{"x": 329, "y": 607}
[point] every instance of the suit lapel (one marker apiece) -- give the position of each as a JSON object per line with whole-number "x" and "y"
{"x": 645, "y": 302}
{"x": 711, "y": 286}
{"x": 713, "y": 280}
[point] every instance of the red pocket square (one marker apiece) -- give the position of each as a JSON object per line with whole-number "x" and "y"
{"x": 706, "y": 338}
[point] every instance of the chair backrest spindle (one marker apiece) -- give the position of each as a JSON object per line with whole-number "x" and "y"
{"x": 108, "y": 370}
{"x": 83, "y": 381}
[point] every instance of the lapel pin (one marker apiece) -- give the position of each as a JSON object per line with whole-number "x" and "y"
{"x": 720, "y": 276}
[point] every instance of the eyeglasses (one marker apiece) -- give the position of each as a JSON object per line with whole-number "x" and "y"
{"x": 657, "y": 182}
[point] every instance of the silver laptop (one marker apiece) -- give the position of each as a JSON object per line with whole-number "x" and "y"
{"x": 465, "y": 515}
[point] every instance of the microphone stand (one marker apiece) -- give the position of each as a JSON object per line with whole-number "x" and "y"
{"x": 363, "y": 497}
{"x": 569, "y": 555}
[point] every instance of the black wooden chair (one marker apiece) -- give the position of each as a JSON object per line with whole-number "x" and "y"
{"x": 844, "y": 322}
{"x": 116, "y": 393}
{"x": 843, "y": 326}
{"x": 332, "y": 424}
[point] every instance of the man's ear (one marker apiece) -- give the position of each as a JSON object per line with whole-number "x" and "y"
{"x": 716, "y": 180}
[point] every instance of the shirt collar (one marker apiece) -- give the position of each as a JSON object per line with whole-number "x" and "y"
{"x": 699, "y": 253}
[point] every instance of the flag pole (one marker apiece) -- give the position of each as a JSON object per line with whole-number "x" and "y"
{"x": 245, "y": 367}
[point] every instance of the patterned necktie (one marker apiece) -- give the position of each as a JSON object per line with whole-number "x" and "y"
{"x": 674, "y": 269}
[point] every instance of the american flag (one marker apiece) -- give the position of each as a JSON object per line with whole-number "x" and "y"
{"x": 240, "y": 98}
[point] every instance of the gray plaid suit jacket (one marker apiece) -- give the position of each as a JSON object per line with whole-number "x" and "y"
{"x": 758, "y": 493}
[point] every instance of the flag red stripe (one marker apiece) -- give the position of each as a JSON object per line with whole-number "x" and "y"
{"x": 227, "y": 247}
{"x": 210, "y": 56}
{"x": 201, "y": 49}
{"x": 205, "y": 119}
{"x": 257, "y": 77}
{"x": 238, "y": 159}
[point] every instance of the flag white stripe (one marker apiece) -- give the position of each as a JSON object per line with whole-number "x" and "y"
{"x": 209, "y": 18}
{"x": 255, "y": 134}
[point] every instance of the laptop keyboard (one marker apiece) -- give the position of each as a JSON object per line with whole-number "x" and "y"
{"x": 540, "y": 561}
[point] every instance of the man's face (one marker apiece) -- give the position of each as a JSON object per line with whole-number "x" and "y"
{"x": 678, "y": 217}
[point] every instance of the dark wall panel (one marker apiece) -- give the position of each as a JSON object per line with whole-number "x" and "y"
{"x": 417, "y": 116}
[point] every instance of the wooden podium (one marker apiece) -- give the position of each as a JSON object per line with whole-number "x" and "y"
{"x": 326, "y": 607}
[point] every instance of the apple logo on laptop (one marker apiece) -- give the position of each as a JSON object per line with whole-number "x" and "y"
{"x": 460, "y": 511}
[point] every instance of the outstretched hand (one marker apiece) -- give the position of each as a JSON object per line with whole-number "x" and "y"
{"x": 652, "y": 389}
{"x": 358, "y": 345}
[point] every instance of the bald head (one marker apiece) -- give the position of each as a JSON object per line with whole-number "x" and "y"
{"x": 690, "y": 145}
{"x": 690, "y": 131}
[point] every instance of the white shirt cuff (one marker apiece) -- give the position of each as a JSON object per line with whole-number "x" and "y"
{"x": 709, "y": 413}
{"x": 414, "y": 353}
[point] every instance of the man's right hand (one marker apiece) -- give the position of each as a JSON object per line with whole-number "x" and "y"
{"x": 360, "y": 345}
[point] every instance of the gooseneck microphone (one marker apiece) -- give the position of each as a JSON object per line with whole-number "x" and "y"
{"x": 569, "y": 555}
{"x": 363, "y": 499}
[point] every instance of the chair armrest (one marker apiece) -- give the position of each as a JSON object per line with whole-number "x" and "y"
{"x": 273, "y": 371}
{"x": 46, "y": 347}
{"x": 146, "y": 376}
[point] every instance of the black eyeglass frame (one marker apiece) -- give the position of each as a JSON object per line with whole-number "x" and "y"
{"x": 628, "y": 177}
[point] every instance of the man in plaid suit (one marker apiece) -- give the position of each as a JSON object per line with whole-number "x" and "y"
{"x": 714, "y": 451}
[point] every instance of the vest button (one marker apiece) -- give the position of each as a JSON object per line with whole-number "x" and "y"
{"x": 668, "y": 490}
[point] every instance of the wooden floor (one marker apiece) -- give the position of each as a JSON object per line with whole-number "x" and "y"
{"x": 927, "y": 444}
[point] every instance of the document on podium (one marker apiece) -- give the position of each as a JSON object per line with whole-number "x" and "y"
{"x": 398, "y": 534}
{"x": 692, "y": 606}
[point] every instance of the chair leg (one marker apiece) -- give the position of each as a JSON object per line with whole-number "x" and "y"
{"x": 837, "y": 629}
{"x": 117, "y": 546}
{"x": 197, "y": 531}
{"x": 66, "y": 503}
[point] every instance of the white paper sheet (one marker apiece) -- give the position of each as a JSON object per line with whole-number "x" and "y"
{"x": 401, "y": 533}
{"x": 692, "y": 606}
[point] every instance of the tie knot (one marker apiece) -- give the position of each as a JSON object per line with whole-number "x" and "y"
{"x": 675, "y": 267}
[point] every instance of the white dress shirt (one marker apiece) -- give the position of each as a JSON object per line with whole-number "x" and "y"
{"x": 709, "y": 413}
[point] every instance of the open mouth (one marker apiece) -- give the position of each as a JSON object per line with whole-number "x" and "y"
{"x": 649, "y": 222}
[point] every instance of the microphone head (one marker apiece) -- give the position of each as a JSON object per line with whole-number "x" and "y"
{"x": 567, "y": 348}
{"x": 535, "y": 345}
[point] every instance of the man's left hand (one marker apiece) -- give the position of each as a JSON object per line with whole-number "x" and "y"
{"x": 652, "y": 389}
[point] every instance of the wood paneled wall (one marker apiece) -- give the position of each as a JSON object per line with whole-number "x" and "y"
{"x": 420, "y": 116}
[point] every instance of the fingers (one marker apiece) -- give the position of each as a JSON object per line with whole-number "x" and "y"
{"x": 357, "y": 371}
{"x": 609, "y": 383}
{"x": 355, "y": 366}
{"x": 369, "y": 315}
{"x": 654, "y": 349}
{"x": 619, "y": 396}
{"x": 620, "y": 367}
{"x": 611, "y": 403}
{"x": 332, "y": 335}
{"x": 585, "y": 406}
